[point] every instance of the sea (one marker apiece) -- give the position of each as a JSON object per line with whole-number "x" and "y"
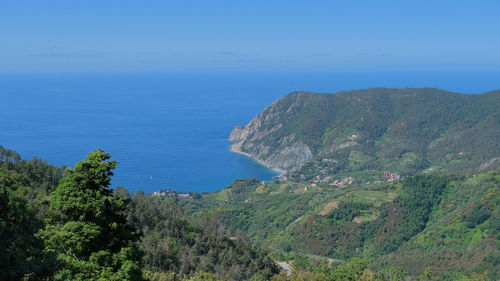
{"x": 169, "y": 130}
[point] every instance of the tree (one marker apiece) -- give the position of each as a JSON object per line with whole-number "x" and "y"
{"x": 86, "y": 228}
{"x": 427, "y": 276}
{"x": 17, "y": 243}
{"x": 203, "y": 276}
{"x": 350, "y": 271}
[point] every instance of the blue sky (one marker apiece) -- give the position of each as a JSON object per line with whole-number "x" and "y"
{"x": 106, "y": 35}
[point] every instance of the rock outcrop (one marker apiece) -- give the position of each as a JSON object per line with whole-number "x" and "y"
{"x": 285, "y": 154}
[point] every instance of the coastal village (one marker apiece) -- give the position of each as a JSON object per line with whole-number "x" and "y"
{"x": 318, "y": 179}
{"x": 176, "y": 195}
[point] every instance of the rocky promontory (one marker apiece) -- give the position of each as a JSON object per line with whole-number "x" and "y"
{"x": 404, "y": 131}
{"x": 284, "y": 154}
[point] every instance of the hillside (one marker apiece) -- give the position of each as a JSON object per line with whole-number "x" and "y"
{"x": 448, "y": 224}
{"x": 363, "y": 133}
{"x": 171, "y": 247}
{"x": 430, "y": 226}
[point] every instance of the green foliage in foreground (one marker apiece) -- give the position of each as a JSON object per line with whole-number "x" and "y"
{"x": 86, "y": 228}
{"x": 172, "y": 244}
{"x": 17, "y": 227}
{"x": 70, "y": 226}
{"x": 73, "y": 227}
{"x": 24, "y": 186}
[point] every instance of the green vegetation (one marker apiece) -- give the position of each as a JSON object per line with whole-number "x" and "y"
{"x": 68, "y": 225}
{"x": 171, "y": 244}
{"x": 449, "y": 224}
{"x": 17, "y": 242}
{"x": 420, "y": 194}
{"x": 347, "y": 211}
{"x": 24, "y": 189}
{"x": 338, "y": 217}
{"x": 363, "y": 133}
{"x": 85, "y": 227}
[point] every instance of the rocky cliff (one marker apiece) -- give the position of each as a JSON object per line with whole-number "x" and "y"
{"x": 293, "y": 153}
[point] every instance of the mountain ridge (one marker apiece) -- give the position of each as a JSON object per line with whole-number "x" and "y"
{"x": 405, "y": 130}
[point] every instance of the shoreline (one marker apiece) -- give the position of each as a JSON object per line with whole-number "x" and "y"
{"x": 233, "y": 148}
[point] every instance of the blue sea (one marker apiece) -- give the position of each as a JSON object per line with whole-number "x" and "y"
{"x": 169, "y": 130}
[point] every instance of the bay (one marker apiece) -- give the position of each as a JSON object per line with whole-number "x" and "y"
{"x": 169, "y": 130}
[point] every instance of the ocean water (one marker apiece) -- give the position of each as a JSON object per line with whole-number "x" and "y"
{"x": 170, "y": 130}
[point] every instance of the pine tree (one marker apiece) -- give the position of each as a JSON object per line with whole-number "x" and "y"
{"x": 86, "y": 228}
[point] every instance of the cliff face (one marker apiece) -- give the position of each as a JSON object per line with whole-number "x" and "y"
{"x": 248, "y": 140}
{"x": 398, "y": 130}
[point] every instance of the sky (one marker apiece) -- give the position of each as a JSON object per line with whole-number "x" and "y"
{"x": 108, "y": 35}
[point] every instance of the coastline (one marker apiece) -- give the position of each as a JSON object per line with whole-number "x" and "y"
{"x": 233, "y": 148}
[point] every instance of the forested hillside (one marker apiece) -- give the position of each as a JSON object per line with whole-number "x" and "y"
{"x": 363, "y": 133}
{"x": 66, "y": 224}
{"x": 448, "y": 224}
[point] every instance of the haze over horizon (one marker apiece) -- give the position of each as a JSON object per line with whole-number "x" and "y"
{"x": 103, "y": 36}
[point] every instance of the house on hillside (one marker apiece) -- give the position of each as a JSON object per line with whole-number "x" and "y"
{"x": 388, "y": 176}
